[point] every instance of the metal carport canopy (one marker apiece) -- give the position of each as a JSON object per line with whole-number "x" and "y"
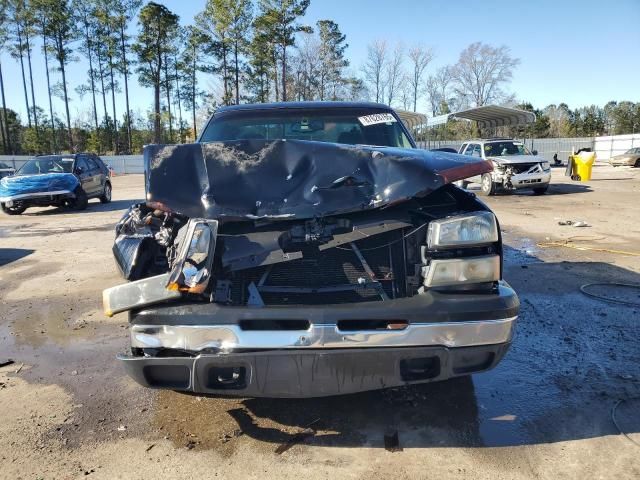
{"x": 487, "y": 116}
{"x": 412, "y": 119}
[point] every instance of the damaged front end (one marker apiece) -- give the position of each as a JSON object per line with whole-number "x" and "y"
{"x": 245, "y": 249}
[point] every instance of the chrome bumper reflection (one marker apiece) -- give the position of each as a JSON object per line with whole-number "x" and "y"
{"x": 230, "y": 337}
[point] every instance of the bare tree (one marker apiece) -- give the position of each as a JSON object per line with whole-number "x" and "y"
{"x": 481, "y": 72}
{"x": 420, "y": 57}
{"x": 437, "y": 89}
{"x": 374, "y": 67}
{"x": 306, "y": 65}
{"x": 394, "y": 73}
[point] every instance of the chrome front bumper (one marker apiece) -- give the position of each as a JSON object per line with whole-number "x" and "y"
{"x": 523, "y": 180}
{"x": 227, "y": 338}
{"x": 220, "y": 350}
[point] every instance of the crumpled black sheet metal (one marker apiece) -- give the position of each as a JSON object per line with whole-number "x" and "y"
{"x": 132, "y": 254}
{"x": 293, "y": 179}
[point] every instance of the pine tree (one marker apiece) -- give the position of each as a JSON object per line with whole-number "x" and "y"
{"x": 158, "y": 25}
{"x": 279, "y": 19}
{"x": 60, "y": 28}
{"x": 332, "y": 60}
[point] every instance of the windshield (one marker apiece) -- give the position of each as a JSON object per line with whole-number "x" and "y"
{"x": 41, "y": 165}
{"x": 503, "y": 149}
{"x": 364, "y": 126}
{"x": 632, "y": 151}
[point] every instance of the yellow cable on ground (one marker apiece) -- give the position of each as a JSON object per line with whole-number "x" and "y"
{"x": 569, "y": 243}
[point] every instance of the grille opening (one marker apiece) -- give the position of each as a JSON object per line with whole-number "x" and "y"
{"x": 414, "y": 369}
{"x": 226, "y": 378}
{"x": 265, "y": 324}
{"x": 352, "y": 325}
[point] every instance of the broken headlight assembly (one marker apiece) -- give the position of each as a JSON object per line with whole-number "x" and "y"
{"x": 191, "y": 267}
{"x": 460, "y": 231}
{"x": 546, "y": 166}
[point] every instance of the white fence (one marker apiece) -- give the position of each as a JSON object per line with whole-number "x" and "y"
{"x": 605, "y": 147}
{"x": 121, "y": 164}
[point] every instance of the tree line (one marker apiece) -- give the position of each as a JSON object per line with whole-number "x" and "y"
{"x": 255, "y": 51}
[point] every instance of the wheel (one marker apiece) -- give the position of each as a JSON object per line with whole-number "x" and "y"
{"x": 81, "y": 201}
{"x": 487, "y": 185}
{"x": 106, "y": 194}
{"x": 541, "y": 190}
{"x": 14, "y": 210}
{"x": 575, "y": 178}
{"x": 637, "y": 165}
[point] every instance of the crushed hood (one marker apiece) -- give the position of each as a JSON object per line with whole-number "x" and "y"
{"x": 294, "y": 179}
{"x": 19, "y": 186}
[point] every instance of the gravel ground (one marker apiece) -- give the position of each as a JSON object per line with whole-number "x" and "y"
{"x": 68, "y": 410}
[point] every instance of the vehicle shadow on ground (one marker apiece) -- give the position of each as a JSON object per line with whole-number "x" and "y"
{"x": 572, "y": 359}
{"x": 8, "y": 255}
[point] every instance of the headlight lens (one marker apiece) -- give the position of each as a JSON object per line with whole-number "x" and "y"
{"x": 191, "y": 269}
{"x": 546, "y": 166}
{"x": 461, "y": 271}
{"x": 472, "y": 229}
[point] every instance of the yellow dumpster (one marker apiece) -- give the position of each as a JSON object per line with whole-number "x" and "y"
{"x": 581, "y": 166}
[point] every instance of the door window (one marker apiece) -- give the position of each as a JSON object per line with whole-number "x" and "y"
{"x": 93, "y": 165}
{"x": 81, "y": 164}
{"x": 471, "y": 149}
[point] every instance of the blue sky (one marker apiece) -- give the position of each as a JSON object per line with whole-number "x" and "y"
{"x": 580, "y": 52}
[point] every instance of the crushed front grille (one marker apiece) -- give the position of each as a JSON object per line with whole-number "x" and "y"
{"x": 332, "y": 276}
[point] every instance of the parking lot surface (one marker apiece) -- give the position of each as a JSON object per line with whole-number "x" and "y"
{"x": 549, "y": 410}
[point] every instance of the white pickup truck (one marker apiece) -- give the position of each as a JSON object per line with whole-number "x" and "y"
{"x": 514, "y": 166}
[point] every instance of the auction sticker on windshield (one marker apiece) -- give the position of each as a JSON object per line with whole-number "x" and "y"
{"x": 376, "y": 118}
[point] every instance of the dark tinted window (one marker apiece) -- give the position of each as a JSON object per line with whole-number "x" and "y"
{"x": 81, "y": 163}
{"x": 93, "y": 165}
{"x": 339, "y": 125}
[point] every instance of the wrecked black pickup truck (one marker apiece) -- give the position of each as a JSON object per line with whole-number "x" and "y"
{"x": 309, "y": 249}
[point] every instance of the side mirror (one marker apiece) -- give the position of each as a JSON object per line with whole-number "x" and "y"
{"x": 535, "y": 152}
{"x": 79, "y": 170}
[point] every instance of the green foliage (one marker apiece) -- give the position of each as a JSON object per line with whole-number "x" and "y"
{"x": 158, "y": 27}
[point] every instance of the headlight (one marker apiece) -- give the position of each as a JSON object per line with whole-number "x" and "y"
{"x": 461, "y": 271}
{"x": 546, "y": 166}
{"x": 191, "y": 270}
{"x": 472, "y": 229}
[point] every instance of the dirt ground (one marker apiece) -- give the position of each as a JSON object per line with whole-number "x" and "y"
{"x": 68, "y": 411}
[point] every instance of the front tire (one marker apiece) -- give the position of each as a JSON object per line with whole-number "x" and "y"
{"x": 541, "y": 190}
{"x": 106, "y": 194}
{"x": 637, "y": 165}
{"x": 15, "y": 210}
{"x": 81, "y": 201}
{"x": 487, "y": 185}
